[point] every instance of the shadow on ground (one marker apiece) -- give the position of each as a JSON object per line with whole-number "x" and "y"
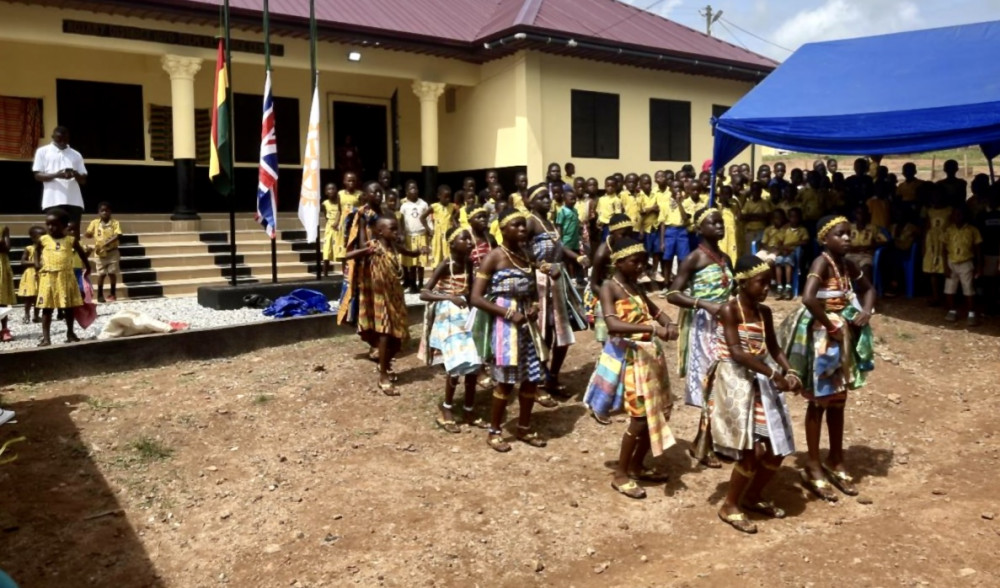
{"x": 60, "y": 523}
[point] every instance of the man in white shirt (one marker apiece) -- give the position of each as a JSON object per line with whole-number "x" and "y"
{"x": 414, "y": 236}
{"x": 60, "y": 169}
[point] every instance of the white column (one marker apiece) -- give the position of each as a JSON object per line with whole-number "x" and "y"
{"x": 428, "y": 92}
{"x": 182, "y": 71}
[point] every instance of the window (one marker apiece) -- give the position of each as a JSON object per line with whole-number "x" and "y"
{"x": 669, "y": 130}
{"x": 246, "y": 130}
{"x": 104, "y": 120}
{"x": 20, "y": 126}
{"x": 161, "y": 133}
{"x": 717, "y": 111}
{"x": 594, "y": 125}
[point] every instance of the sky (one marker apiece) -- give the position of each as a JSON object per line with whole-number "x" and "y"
{"x": 776, "y": 27}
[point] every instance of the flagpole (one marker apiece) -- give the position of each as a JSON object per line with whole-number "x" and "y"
{"x": 229, "y": 133}
{"x": 267, "y": 70}
{"x": 315, "y": 87}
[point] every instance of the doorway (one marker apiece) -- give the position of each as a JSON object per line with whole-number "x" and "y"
{"x": 366, "y": 124}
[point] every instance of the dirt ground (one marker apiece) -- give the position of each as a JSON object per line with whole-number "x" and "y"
{"x": 285, "y": 468}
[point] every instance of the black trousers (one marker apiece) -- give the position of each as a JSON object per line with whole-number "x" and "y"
{"x": 75, "y": 213}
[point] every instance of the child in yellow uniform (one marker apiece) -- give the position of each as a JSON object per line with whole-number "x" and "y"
{"x": 732, "y": 242}
{"x": 331, "y": 210}
{"x": 770, "y": 243}
{"x": 57, "y": 283}
{"x": 631, "y": 199}
{"x": 963, "y": 264}
{"x": 348, "y": 199}
{"x": 106, "y": 233}
{"x": 795, "y": 235}
{"x": 7, "y": 297}
{"x": 866, "y": 237}
{"x": 517, "y": 198}
{"x": 608, "y": 205}
{"x": 443, "y": 215}
{"x": 938, "y": 217}
{"x": 27, "y": 290}
{"x": 755, "y": 214}
{"x": 813, "y": 201}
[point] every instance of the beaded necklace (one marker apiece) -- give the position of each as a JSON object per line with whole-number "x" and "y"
{"x": 642, "y": 301}
{"x": 553, "y": 233}
{"x": 845, "y": 284}
{"x": 749, "y": 342}
{"x": 510, "y": 257}
{"x": 718, "y": 260}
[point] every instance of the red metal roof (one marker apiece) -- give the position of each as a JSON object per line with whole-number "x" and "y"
{"x": 460, "y": 28}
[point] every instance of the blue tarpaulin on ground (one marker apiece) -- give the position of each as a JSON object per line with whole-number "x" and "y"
{"x": 299, "y": 302}
{"x": 898, "y": 93}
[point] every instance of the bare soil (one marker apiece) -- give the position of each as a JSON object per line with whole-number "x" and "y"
{"x": 285, "y": 467}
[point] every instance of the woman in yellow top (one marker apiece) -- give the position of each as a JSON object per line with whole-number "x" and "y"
{"x": 444, "y": 216}
{"x": 331, "y": 209}
{"x": 348, "y": 199}
{"x": 938, "y": 220}
{"x": 57, "y": 284}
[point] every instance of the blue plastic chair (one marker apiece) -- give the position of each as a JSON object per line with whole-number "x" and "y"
{"x": 909, "y": 271}
{"x": 796, "y": 270}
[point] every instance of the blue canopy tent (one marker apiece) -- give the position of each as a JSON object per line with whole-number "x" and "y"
{"x": 898, "y": 93}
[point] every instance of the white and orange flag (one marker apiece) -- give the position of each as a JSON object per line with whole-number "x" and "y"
{"x": 309, "y": 197}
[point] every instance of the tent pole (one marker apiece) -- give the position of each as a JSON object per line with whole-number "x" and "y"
{"x": 753, "y": 162}
{"x": 993, "y": 176}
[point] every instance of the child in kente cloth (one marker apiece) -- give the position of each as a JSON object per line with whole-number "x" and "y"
{"x": 446, "y": 338}
{"x": 27, "y": 290}
{"x": 331, "y": 210}
{"x": 382, "y": 319}
{"x": 482, "y": 241}
{"x": 750, "y": 419}
{"x": 632, "y": 369}
{"x": 356, "y": 227}
{"x": 829, "y": 345}
{"x": 7, "y": 294}
{"x": 703, "y": 284}
{"x": 560, "y": 305}
{"x": 505, "y": 329}
{"x": 619, "y": 226}
{"x": 58, "y": 287}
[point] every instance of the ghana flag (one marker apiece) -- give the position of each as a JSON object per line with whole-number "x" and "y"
{"x": 220, "y": 167}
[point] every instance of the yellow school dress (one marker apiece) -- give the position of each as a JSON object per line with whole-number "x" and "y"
{"x": 632, "y": 206}
{"x": 518, "y": 202}
{"x": 332, "y": 212}
{"x": 28, "y": 288}
{"x": 732, "y": 242}
{"x": 348, "y": 202}
{"x": 439, "y": 242}
{"x": 7, "y": 297}
{"x": 938, "y": 219}
{"x": 57, "y": 285}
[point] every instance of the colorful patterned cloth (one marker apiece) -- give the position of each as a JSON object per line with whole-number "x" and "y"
{"x": 560, "y": 306}
{"x": 446, "y": 338}
{"x": 695, "y": 347}
{"x": 356, "y": 271}
{"x": 514, "y": 353}
{"x": 825, "y": 366}
{"x": 381, "y": 303}
{"x": 632, "y": 372}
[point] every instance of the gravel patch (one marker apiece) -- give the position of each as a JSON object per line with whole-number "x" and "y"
{"x": 185, "y": 310}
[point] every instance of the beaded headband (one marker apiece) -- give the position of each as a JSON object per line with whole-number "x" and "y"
{"x": 628, "y": 251}
{"x": 458, "y": 233}
{"x": 619, "y": 226}
{"x": 829, "y": 226}
{"x": 511, "y": 218}
{"x": 756, "y": 270}
{"x": 477, "y": 210}
{"x": 703, "y": 213}
{"x": 536, "y": 192}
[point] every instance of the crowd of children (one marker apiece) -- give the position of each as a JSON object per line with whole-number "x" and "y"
{"x": 55, "y": 272}
{"x": 503, "y": 305}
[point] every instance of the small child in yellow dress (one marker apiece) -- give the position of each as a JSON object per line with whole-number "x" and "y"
{"x": 7, "y": 297}
{"x": 331, "y": 210}
{"x": 27, "y": 290}
{"x": 57, "y": 284}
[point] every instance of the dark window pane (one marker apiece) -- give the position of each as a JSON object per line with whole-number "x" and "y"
{"x": 105, "y": 120}
{"x": 717, "y": 111}
{"x": 669, "y": 130}
{"x": 248, "y": 111}
{"x": 595, "y": 124}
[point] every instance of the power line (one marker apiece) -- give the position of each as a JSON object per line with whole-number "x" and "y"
{"x": 758, "y": 37}
{"x": 638, "y": 10}
{"x": 733, "y": 35}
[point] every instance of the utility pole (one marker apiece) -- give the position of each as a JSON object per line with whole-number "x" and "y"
{"x": 710, "y": 18}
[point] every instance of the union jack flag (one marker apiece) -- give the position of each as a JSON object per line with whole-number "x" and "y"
{"x": 267, "y": 177}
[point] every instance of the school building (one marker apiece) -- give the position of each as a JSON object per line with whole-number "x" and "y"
{"x": 432, "y": 89}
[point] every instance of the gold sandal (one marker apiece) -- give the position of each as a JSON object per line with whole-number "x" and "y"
{"x": 532, "y": 439}
{"x": 739, "y": 522}
{"x": 821, "y": 488}
{"x": 546, "y": 400}
{"x": 495, "y": 440}
{"x": 448, "y": 425}
{"x": 842, "y": 480}
{"x": 766, "y": 508}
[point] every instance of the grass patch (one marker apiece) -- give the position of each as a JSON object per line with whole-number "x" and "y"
{"x": 150, "y": 449}
{"x": 96, "y": 403}
{"x": 262, "y": 399}
{"x": 906, "y": 336}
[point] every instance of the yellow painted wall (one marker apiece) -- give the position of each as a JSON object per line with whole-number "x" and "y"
{"x": 560, "y": 75}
